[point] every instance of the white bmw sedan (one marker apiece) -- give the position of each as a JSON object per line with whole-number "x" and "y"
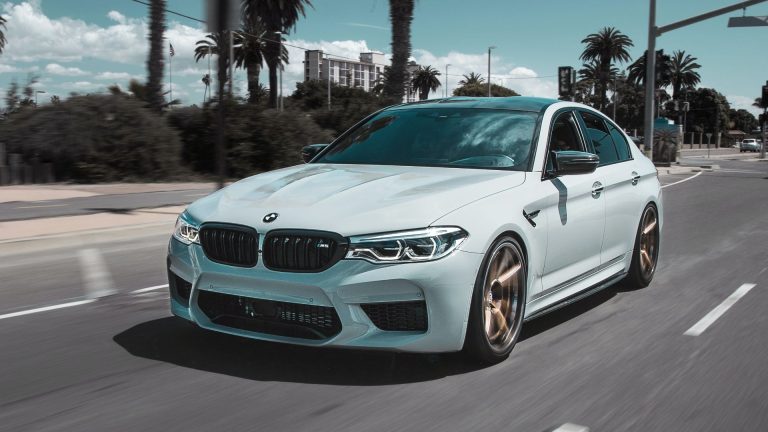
{"x": 428, "y": 227}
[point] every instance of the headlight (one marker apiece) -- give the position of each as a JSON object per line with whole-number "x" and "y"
{"x": 186, "y": 231}
{"x": 406, "y": 246}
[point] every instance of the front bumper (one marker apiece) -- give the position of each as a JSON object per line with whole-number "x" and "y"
{"x": 444, "y": 285}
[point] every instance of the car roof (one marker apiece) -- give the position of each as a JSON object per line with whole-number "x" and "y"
{"x": 516, "y": 103}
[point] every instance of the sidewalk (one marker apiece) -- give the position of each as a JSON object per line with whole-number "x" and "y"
{"x": 45, "y": 192}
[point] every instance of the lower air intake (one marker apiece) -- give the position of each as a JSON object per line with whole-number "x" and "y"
{"x": 270, "y": 317}
{"x": 398, "y": 316}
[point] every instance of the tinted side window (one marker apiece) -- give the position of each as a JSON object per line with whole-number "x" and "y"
{"x": 564, "y": 136}
{"x": 622, "y": 147}
{"x": 601, "y": 138}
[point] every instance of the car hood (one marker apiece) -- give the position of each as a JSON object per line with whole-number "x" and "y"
{"x": 351, "y": 199}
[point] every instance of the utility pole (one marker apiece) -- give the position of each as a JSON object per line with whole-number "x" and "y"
{"x": 446, "y": 79}
{"x": 489, "y": 69}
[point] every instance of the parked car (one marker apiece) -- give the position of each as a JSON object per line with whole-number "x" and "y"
{"x": 430, "y": 227}
{"x": 750, "y": 144}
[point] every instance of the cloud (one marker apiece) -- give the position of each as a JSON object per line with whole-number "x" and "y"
{"x": 744, "y": 102}
{"x": 57, "y": 69}
{"x": 521, "y": 79}
{"x": 8, "y": 68}
{"x": 33, "y": 36}
{"x": 117, "y": 17}
{"x": 115, "y": 76}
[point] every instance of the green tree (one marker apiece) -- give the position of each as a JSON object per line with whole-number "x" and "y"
{"x": 709, "y": 110}
{"x": 425, "y": 80}
{"x": 471, "y": 79}
{"x": 683, "y": 72}
{"x": 742, "y": 120}
{"x": 481, "y": 90}
{"x": 400, "y": 16}
{"x": 637, "y": 71}
{"x": 155, "y": 63}
{"x": 2, "y": 33}
{"x": 277, "y": 16}
{"x": 605, "y": 47}
{"x": 589, "y": 80}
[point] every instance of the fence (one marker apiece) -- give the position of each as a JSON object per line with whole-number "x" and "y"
{"x": 17, "y": 172}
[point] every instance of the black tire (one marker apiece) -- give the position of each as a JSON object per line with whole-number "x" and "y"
{"x": 478, "y": 344}
{"x": 640, "y": 273}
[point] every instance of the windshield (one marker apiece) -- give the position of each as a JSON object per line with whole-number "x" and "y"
{"x": 450, "y": 137}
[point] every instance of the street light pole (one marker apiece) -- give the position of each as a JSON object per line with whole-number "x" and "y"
{"x": 446, "y": 79}
{"x": 489, "y": 69}
{"x": 37, "y": 93}
{"x": 328, "y": 60}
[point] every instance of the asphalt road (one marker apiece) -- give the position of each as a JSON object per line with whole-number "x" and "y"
{"x": 618, "y": 361}
{"x": 116, "y": 203}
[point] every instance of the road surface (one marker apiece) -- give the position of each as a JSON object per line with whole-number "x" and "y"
{"x": 618, "y": 361}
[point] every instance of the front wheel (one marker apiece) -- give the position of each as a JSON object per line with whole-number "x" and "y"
{"x": 498, "y": 302}
{"x": 645, "y": 254}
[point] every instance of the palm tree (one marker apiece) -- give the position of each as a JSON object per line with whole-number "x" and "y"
{"x": 589, "y": 78}
{"x": 636, "y": 71}
{"x": 758, "y": 103}
{"x": 472, "y": 79}
{"x": 605, "y": 47}
{"x": 250, "y": 46}
{"x": 277, "y": 16}
{"x": 425, "y": 80}
{"x": 2, "y": 34}
{"x": 207, "y": 83}
{"x": 155, "y": 64}
{"x": 208, "y": 47}
{"x": 400, "y": 15}
{"x": 683, "y": 72}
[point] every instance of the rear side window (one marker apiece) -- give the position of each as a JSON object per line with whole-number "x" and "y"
{"x": 598, "y": 133}
{"x": 622, "y": 146}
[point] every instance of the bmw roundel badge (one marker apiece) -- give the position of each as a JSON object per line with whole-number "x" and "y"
{"x": 270, "y": 217}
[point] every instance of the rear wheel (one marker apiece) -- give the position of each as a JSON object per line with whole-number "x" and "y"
{"x": 498, "y": 302}
{"x": 646, "y": 251}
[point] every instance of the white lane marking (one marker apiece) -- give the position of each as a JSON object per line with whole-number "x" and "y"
{"x": 570, "y": 427}
{"x": 148, "y": 289}
{"x": 96, "y": 277}
{"x": 684, "y": 180}
{"x": 717, "y": 312}
{"x": 42, "y": 206}
{"x": 46, "y": 308}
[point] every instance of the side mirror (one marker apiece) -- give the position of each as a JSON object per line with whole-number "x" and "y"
{"x": 569, "y": 162}
{"x": 309, "y": 152}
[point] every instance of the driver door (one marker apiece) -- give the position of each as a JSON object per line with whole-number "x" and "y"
{"x": 575, "y": 213}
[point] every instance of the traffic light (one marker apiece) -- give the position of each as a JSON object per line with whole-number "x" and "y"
{"x": 662, "y": 73}
{"x": 564, "y": 80}
{"x": 765, "y": 95}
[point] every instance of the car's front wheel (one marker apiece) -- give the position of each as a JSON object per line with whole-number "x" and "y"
{"x": 645, "y": 254}
{"x": 498, "y": 302}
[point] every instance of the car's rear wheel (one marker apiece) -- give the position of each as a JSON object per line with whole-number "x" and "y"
{"x": 498, "y": 302}
{"x": 645, "y": 254}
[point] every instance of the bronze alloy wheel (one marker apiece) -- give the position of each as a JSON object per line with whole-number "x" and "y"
{"x": 496, "y": 315}
{"x": 649, "y": 242}
{"x": 646, "y": 252}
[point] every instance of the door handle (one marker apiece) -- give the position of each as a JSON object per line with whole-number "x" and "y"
{"x": 635, "y": 178}
{"x": 597, "y": 189}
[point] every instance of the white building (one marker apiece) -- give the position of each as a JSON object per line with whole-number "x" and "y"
{"x": 362, "y": 74}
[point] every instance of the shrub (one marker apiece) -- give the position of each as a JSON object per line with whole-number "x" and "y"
{"x": 96, "y": 138}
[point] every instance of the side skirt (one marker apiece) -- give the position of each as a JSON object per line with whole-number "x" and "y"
{"x": 579, "y": 295}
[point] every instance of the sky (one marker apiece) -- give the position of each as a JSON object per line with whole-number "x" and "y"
{"x": 86, "y": 45}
